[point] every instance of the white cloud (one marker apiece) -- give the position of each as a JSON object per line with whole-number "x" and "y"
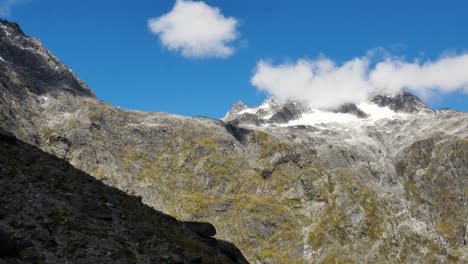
{"x": 7, "y": 5}
{"x": 196, "y": 29}
{"x": 323, "y": 83}
{"x": 319, "y": 82}
{"x": 446, "y": 75}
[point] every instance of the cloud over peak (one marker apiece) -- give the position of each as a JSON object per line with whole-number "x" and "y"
{"x": 446, "y": 75}
{"x": 324, "y": 83}
{"x": 196, "y": 30}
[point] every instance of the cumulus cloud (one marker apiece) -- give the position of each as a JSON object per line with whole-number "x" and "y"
{"x": 319, "y": 82}
{"x": 446, "y": 75}
{"x": 324, "y": 83}
{"x": 196, "y": 30}
{"x": 7, "y": 5}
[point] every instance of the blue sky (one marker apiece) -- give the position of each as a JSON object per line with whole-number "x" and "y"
{"x": 110, "y": 46}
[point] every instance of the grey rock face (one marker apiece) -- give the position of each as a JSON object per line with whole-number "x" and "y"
{"x": 235, "y": 109}
{"x": 33, "y": 65}
{"x": 351, "y": 109}
{"x": 289, "y": 111}
{"x": 323, "y": 192}
{"x": 402, "y": 102}
{"x": 270, "y": 112}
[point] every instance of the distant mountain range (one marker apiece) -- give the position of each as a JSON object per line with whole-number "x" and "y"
{"x": 294, "y": 112}
{"x": 383, "y": 181}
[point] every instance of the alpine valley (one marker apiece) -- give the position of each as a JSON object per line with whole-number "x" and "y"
{"x": 382, "y": 181}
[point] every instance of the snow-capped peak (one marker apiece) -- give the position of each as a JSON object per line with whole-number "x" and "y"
{"x": 293, "y": 113}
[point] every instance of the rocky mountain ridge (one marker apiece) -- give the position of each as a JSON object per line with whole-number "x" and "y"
{"x": 41, "y": 71}
{"x": 311, "y": 186}
{"x": 274, "y": 112}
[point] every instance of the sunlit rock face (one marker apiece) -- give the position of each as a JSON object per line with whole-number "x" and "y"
{"x": 383, "y": 180}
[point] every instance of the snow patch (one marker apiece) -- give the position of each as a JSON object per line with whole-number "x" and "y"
{"x": 1, "y": 59}
{"x": 322, "y": 117}
{"x": 6, "y": 30}
{"x": 376, "y": 112}
{"x": 45, "y": 97}
{"x": 248, "y": 111}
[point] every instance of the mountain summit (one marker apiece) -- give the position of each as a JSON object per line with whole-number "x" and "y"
{"x": 402, "y": 102}
{"x": 381, "y": 181}
{"x": 292, "y": 112}
{"x": 32, "y": 64}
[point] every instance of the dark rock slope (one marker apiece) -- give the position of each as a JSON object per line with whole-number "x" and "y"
{"x": 51, "y": 212}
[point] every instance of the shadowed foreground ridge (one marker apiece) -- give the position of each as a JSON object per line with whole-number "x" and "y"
{"x": 51, "y": 212}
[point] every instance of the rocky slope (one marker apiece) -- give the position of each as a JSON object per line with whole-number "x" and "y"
{"x": 382, "y": 181}
{"x": 51, "y": 212}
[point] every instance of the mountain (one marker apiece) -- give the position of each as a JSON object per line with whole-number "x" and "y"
{"x": 380, "y": 181}
{"x": 273, "y": 112}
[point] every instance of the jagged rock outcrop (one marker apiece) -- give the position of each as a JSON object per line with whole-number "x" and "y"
{"x": 309, "y": 186}
{"x": 25, "y": 59}
{"x": 401, "y": 102}
{"x": 351, "y": 109}
{"x": 51, "y": 212}
{"x": 271, "y": 111}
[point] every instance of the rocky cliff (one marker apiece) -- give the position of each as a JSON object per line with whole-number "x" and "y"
{"x": 383, "y": 181}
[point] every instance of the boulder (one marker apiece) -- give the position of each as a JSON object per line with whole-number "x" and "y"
{"x": 201, "y": 228}
{"x": 7, "y": 137}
